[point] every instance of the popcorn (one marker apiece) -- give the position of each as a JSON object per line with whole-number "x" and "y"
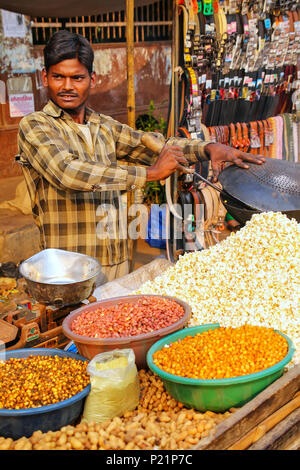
{"x": 253, "y": 277}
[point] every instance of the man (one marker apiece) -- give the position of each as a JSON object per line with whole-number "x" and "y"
{"x": 71, "y": 159}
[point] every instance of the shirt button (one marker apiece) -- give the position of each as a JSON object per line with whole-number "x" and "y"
{"x": 96, "y": 187}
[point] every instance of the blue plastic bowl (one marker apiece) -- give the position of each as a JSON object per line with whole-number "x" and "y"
{"x": 23, "y": 422}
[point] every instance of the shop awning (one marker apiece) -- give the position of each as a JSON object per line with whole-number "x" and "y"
{"x": 67, "y": 8}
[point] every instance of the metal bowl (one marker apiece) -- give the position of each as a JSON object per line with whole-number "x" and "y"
{"x": 59, "y": 277}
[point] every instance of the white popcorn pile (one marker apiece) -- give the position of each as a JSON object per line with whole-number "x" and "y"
{"x": 253, "y": 277}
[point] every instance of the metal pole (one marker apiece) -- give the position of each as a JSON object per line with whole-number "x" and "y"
{"x": 130, "y": 62}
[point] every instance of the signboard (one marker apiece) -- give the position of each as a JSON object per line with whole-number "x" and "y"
{"x": 21, "y": 104}
{"x": 13, "y": 24}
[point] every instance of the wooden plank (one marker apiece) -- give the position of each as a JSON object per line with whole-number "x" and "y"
{"x": 44, "y": 33}
{"x": 47, "y": 25}
{"x": 102, "y": 28}
{"x": 152, "y": 23}
{"x": 136, "y": 28}
{"x": 282, "y": 435}
{"x": 114, "y": 26}
{"x": 90, "y": 31}
{"x": 96, "y": 33}
{"x": 143, "y": 30}
{"x": 106, "y": 23}
{"x": 254, "y": 412}
{"x": 130, "y": 62}
{"x": 164, "y": 29}
{"x": 147, "y": 17}
{"x": 259, "y": 431}
{"x": 83, "y": 27}
{"x": 156, "y": 29}
{"x": 294, "y": 444}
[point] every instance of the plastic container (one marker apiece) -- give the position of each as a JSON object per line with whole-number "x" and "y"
{"x": 23, "y": 422}
{"x": 157, "y": 227}
{"x": 89, "y": 347}
{"x": 220, "y": 394}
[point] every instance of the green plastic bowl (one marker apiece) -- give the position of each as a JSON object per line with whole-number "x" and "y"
{"x": 216, "y": 395}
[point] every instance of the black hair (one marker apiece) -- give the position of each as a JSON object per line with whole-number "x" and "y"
{"x": 65, "y": 45}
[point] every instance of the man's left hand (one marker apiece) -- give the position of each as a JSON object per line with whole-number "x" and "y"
{"x": 220, "y": 154}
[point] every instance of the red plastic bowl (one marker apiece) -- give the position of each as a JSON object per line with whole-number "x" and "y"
{"x": 90, "y": 347}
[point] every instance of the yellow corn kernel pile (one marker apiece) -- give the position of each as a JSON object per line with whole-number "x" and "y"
{"x": 251, "y": 277}
{"x": 40, "y": 380}
{"x": 223, "y": 353}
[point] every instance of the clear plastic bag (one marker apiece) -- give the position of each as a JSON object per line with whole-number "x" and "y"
{"x": 115, "y": 386}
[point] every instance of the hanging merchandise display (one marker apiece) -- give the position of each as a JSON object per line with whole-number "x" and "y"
{"x": 238, "y": 76}
{"x": 239, "y": 67}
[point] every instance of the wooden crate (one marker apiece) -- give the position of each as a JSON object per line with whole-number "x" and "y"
{"x": 270, "y": 421}
{"x": 8, "y": 332}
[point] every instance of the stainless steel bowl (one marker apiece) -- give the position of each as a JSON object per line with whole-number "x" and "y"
{"x": 59, "y": 277}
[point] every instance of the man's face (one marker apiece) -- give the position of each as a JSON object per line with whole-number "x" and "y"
{"x": 69, "y": 84}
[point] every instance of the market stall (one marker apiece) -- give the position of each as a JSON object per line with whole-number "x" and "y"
{"x": 236, "y": 82}
{"x": 247, "y": 298}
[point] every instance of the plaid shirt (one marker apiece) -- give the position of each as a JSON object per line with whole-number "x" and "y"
{"x": 70, "y": 186}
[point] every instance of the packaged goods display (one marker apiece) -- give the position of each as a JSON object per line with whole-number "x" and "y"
{"x": 239, "y": 68}
{"x": 235, "y": 83}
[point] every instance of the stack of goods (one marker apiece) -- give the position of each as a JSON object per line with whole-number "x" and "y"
{"x": 252, "y": 277}
{"x": 240, "y": 64}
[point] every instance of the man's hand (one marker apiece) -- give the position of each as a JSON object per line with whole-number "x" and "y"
{"x": 169, "y": 160}
{"x": 220, "y": 154}
{"x": 172, "y": 158}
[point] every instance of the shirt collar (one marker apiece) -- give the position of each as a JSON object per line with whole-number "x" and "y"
{"x": 55, "y": 111}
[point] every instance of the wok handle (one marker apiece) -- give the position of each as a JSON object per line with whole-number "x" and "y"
{"x": 156, "y": 146}
{"x": 208, "y": 182}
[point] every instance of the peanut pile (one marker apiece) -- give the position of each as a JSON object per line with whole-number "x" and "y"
{"x": 128, "y": 319}
{"x": 159, "y": 422}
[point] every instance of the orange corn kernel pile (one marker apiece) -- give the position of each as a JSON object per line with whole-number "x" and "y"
{"x": 224, "y": 352}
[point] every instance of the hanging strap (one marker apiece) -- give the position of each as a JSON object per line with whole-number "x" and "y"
{"x": 246, "y": 140}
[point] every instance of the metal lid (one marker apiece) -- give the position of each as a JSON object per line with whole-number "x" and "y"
{"x": 272, "y": 186}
